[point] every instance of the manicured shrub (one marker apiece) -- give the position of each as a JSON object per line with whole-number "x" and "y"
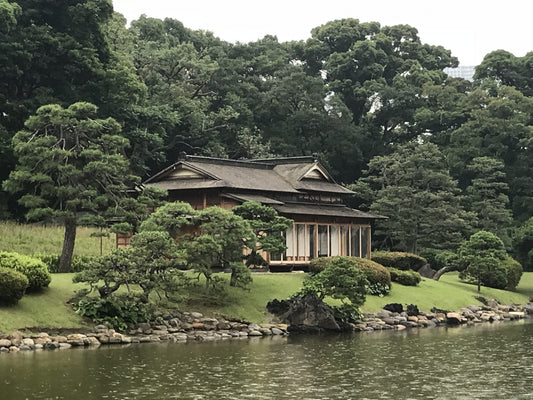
{"x": 317, "y": 265}
{"x": 514, "y": 272}
{"x": 35, "y": 270}
{"x": 13, "y": 284}
{"x": 50, "y": 260}
{"x": 80, "y": 262}
{"x": 406, "y": 278}
{"x": 377, "y": 275}
{"x": 399, "y": 260}
{"x": 119, "y": 312}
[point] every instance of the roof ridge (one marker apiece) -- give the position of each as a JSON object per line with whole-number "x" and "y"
{"x": 228, "y": 161}
{"x": 284, "y": 160}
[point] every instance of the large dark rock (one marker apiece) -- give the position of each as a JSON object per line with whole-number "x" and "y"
{"x": 304, "y": 314}
{"x": 394, "y": 307}
{"x": 412, "y": 310}
{"x": 427, "y": 272}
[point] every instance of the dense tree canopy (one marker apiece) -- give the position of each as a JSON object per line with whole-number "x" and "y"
{"x": 358, "y": 95}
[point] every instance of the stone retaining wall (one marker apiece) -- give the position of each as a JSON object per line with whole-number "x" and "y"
{"x": 176, "y": 327}
{"x": 491, "y": 312}
{"x": 183, "y": 327}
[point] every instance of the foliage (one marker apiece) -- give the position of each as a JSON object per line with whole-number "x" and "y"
{"x": 340, "y": 280}
{"x": 13, "y": 285}
{"x": 482, "y": 255}
{"x": 70, "y": 162}
{"x": 150, "y": 264}
{"x": 523, "y": 244}
{"x": 399, "y": 260}
{"x": 379, "y": 280}
{"x": 34, "y": 269}
{"x": 414, "y": 189}
{"x": 119, "y": 312}
{"x": 241, "y": 276}
{"x": 487, "y": 196}
{"x": 171, "y": 217}
{"x": 405, "y": 277}
{"x": 220, "y": 243}
{"x": 514, "y": 272}
{"x": 267, "y": 227}
{"x": 442, "y": 259}
{"x": 51, "y": 261}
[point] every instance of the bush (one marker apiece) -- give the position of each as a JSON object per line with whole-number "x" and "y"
{"x": 399, "y": 260}
{"x": 119, "y": 312}
{"x": 50, "y": 260}
{"x": 13, "y": 285}
{"x": 78, "y": 264}
{"x": 340, "y": 280}
{"x": 406, "y": 278}
{"x": 34, "y": 269}
{"x": 514, "y": 272}
{"x": 379, "y": 280}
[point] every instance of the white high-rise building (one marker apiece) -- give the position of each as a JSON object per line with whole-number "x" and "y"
{"x": 466, "y": 72}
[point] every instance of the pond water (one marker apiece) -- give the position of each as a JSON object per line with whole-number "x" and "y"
{"x": 482, "y": 362}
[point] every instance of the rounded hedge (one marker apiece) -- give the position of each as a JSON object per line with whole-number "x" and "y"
{"x": 375, "y": 273}
{"x": 34, "y": 269}
{"x": 514, "y": 272}
{"x": 399, "y": 260}
{"x": 13, "y": 285}
{"x": 406, "y": 278}
{"x": 78, "y": 263}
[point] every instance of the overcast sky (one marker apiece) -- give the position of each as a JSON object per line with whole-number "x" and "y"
{"x": 469, "y": 28}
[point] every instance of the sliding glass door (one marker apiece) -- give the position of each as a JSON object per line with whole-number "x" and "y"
{"x": 306, "y": 241}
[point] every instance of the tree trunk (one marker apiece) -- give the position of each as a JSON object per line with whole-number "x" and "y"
{"x": 68, "y": 245}
{"x": 442, "y": 271}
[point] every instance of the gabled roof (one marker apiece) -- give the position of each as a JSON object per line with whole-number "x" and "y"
{"x": 286, "y": 175}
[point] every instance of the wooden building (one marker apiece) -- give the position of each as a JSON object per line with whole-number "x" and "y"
{"x": 299, "y": 188}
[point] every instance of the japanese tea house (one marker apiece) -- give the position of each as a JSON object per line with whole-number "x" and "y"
{"x": 299, "y": 188}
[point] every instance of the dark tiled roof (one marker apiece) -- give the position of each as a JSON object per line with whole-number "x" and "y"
{"x": 261, "y": 175}
{"x": 333, "y": 210}
{"x": 252, "y": 197}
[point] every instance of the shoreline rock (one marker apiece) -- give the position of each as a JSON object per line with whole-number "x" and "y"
{"x": 172, "y": 327}
{"x": 192, "y": 326}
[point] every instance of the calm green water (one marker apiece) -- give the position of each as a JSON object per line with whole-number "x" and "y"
{"x": 483, "y": 362}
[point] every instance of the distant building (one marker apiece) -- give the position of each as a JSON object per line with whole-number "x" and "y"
{"x": 299, "y": 188}
{"x": 466, "y": 72}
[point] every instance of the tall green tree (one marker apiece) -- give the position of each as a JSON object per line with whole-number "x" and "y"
{"x": 70, "y": 167}
{"x": 523, "y": 244}
{"x": 487, "y": 197}
{"x": 482, "y": 255}
{"x": 498, "y": 126}
{"x": 413, "y": 188}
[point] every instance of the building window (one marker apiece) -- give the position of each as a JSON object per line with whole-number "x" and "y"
{"x": 307, "y": 241}
{"x": 323, "y": 240}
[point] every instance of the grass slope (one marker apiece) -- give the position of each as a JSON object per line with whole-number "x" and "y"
{"x": 449, "y": 293}
{"x": 46, "y": 309}
{"x": 35, "y": 238}
{"x": 50, "y": 309}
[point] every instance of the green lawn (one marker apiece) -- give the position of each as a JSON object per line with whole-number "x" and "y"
{"x": 449, "y": 293}
{"x": 50, "y": 309}
{"x": 36, "y": 238}
{"x": 47, "y": 309}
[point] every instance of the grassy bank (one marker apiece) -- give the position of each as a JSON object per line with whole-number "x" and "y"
{"x": 36, "y": 238}
{"x": 50, "y": 309}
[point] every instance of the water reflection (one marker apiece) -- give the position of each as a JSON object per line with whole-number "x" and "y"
{"x": 482, "y": 362}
